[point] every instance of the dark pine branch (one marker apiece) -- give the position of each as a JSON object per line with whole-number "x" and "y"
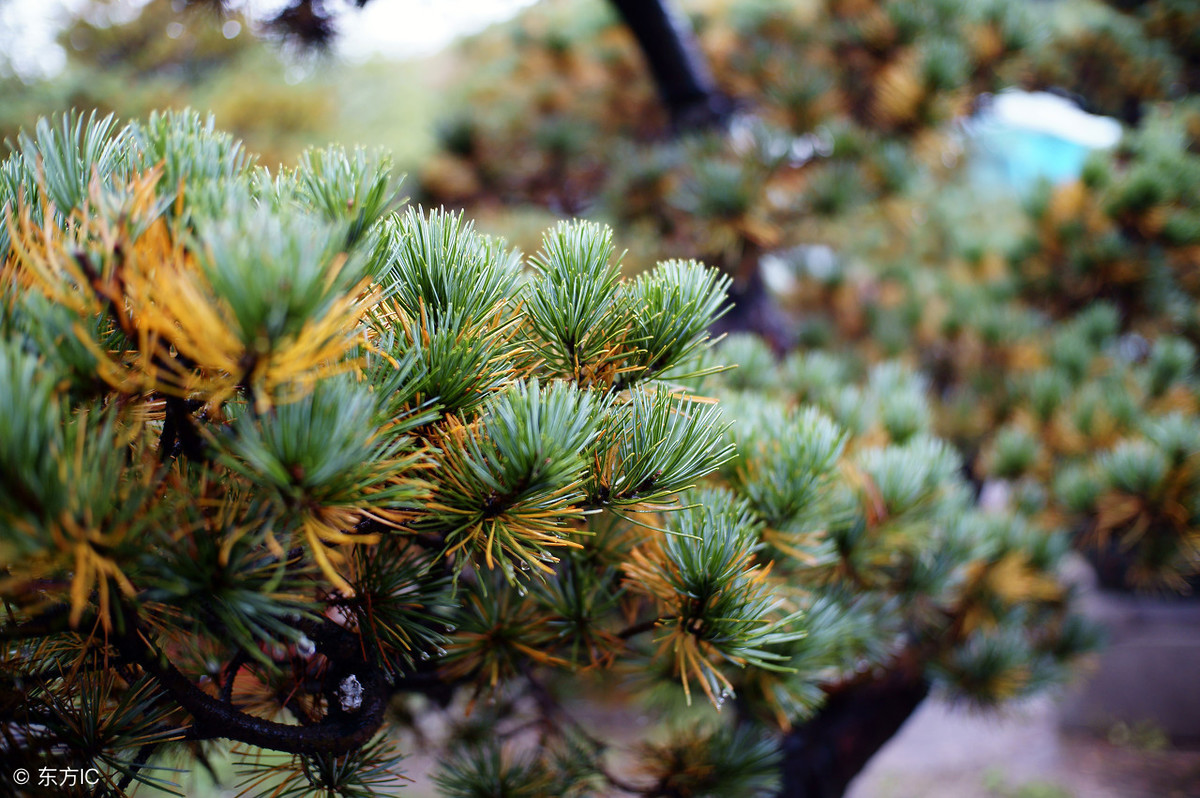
{"x": 179, "y": 433}
{"x": 140, "y": 761}
{"x": 341, "y": 731}
{"x": 823, "y": 755}
{"x": 235, "y": 665}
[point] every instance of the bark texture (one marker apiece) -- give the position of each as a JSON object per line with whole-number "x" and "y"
{"x": 822, "y": 756}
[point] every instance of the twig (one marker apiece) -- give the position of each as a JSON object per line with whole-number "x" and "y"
{"x": 555, "y": 715}
{"x": 143, "y": 757}
{"x": 638, "y": 628}
{"x": 235, "y": 665}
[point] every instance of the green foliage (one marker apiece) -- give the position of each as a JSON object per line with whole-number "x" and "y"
{"x": 510, "y": 484}
{"x": 356, "y": 187}
{"x": 273, "y": 269}
{"x": 663, "y": 445}
{"x": 754, "y": 360}
{"x": 875, "y": 523}
{"x": 463, "y": 775}
{"x": 672, "y": 308}
{"x": 573, "y": 122}
{"x": 574, "y": 307}
{"x": 190, "y": 150}
{"x": 504, "y": 485}
{"x": 737, "y": 762}
{"x": 325, "y": 449}
{"x": 249, "y": 492}
{"x": 69, "y": 153}
{"x": 450, "y": 294}
{"x": 32, "y": 429}
{"x": 708, "y": 554}
{"x": 1016, "y": 450}
{"x": 787, "y": 459}
{"x": 436, "y": 264}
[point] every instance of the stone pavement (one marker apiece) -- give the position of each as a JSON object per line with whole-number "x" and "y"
{"x": 949, "y": 751}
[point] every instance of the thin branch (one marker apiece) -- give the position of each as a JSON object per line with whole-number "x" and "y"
{"x": 184, "y": 438}
{"x": 235, "y": 665}
{"x": 554, "y": 715}
{"x": 640, "y": 628}
{"x": 143, "y": 757}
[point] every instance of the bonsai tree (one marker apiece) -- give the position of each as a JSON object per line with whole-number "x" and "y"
{"x": 286, "y": 470}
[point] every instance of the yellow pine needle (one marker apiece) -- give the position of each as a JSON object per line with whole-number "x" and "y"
{"x": 690, "y": 659}
{"x": 231, "y": 539}
{"x": 1115, "y": 510}
{"x": 323, "y": 557}
{"x": 187, "y": 341}
{"x": 40, "y": 259}
{"x": 647, "y": 571}
{"x": 790, "y": 544}
{"x": 898, "y": 93}
{"x": 875, "y": 508}
{"x": 1014, "y": 579}
{"x": 538, "y": 656}
{"x": 322, "y": 532}
{"x": 92, "y": 572}
{"x": 518, "y": 529}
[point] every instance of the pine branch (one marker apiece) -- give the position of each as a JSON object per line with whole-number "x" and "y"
{"x": 179, "y": 434}
{"x": 339, "y": 732}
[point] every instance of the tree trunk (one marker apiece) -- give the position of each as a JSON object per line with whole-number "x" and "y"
{"x": 822, "y": 756}
{"x": 684, "y": 82}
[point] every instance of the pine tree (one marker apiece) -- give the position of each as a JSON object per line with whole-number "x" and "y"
{"x": 283, "y": 465}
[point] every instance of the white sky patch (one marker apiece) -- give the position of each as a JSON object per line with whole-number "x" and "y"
{"x": 403, "y": 28}
{"x": 1049, "y": 113}
{"x": 27, "y": 31}
{"x": 390, "y": 28}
